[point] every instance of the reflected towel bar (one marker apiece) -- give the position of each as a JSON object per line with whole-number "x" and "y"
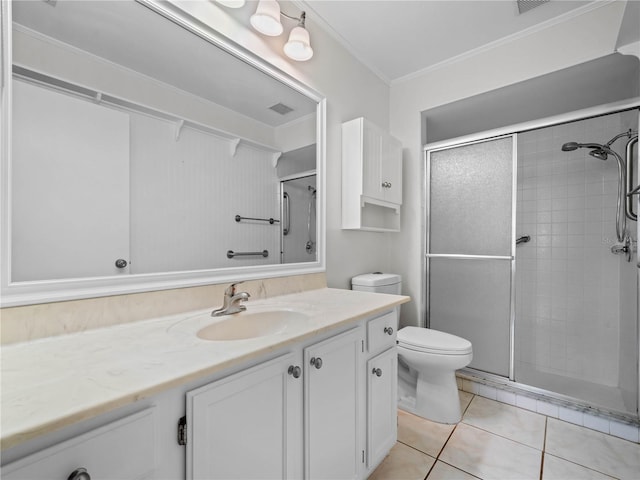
{"x": 231, "y": 253}
{"x": 270, "y": 220}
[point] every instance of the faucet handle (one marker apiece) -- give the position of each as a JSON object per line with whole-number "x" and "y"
{"x": 231, "y": 289}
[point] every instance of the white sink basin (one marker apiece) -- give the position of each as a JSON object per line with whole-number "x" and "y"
{"x": 246, "y": 325}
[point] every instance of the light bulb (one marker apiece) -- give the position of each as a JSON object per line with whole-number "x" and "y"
{"x": 298, "y": 47}
{"x": 266, "y": 20}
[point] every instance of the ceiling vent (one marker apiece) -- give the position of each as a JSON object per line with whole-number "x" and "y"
{"x": 526, "y": 5}
{"x": 281, "y": 108}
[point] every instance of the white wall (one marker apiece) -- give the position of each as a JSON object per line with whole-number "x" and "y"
{"x": 352, "y": 90}
{"x": 576, "y": 39}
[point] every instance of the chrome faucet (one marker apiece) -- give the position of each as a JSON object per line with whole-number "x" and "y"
{"x": 231, "y": 302}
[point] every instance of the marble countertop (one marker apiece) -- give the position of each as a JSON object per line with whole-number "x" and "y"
{"x": 54, "y": 382}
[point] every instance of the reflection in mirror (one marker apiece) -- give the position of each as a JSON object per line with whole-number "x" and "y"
{"x": 136, "y": 145}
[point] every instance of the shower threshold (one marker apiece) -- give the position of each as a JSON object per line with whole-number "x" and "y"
{"x": 548, "y": 396}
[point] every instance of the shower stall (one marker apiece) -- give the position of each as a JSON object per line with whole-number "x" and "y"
{"x": 298, "y": 213}
{"x": 531, "y": 254}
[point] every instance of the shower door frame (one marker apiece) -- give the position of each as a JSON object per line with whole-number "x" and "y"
{"x": 489, "y": 378}
{"x": 447, "y": 145}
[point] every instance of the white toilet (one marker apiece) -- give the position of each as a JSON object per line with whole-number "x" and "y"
{"x": 427, "y": 358}
{"x": 426, "y": 372}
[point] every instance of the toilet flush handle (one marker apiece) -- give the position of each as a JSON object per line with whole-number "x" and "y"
{"x": 388, "y": 330}
{"x": 377, "y": 372}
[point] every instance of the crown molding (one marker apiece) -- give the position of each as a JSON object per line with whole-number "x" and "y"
{"x": 595, "y": 5}
{"x": 306, "y": 5}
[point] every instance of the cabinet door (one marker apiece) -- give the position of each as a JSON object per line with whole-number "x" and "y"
{"x": 391, "y": 170}
{"x": 124, "y": 450}
{"x": 372, "y": 146}
{"x": 382, "y": 425}
{"x": 332, "y": 400}
{"x": 248, "y": 425}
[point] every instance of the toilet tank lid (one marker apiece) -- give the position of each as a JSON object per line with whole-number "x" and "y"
{"x": 376, "y": 279}
{"x": 433, "y": 340}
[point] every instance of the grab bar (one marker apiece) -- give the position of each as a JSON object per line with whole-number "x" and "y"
{"x": 231, "y": 253}
{"x": 630, "y": 173}
{"x": 523, "y": 239}
{"x": 286, "y": 216}
{"x": 270, "y": 220}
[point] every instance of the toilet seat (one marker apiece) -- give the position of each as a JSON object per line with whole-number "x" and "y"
{"x": 432, "y": 341}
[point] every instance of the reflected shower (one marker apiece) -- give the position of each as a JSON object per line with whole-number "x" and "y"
{"x": 602, "y": 152}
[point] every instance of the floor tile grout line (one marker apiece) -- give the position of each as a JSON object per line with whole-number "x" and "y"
{"x": 544, "y": 446}
{"x": 458, "y": 468}
{"x": 501, "y": 436}
{"x": 580, "y": 465}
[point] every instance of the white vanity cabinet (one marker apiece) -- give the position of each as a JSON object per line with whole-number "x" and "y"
{"x": 322, "y": 407}
{"x": 371, "y": 177}
{"x": 254, "y": 424}
{"x": 124, "y": 449}
{"x": 247, "y": 425}
{"x": 333, "y": 399}
{"x": 382, "y": 388}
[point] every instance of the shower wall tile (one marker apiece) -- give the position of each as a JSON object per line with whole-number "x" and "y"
{"x": 596, "y": 423}
{"x": 572, "y": 416}
{"x": 567, "y": 280}
{"x": 625, "y": 430}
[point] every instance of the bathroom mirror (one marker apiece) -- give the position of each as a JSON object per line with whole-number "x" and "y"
{"x": 147, "y": 152}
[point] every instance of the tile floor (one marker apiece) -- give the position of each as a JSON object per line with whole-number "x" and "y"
{"x": 499, "y": 441}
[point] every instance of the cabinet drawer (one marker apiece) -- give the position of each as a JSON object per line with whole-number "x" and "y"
{"x": 381, "y": 332}
{"x": 124, "y": 449}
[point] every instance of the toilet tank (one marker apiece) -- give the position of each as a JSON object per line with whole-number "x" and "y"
{"x": 377, "y": 282}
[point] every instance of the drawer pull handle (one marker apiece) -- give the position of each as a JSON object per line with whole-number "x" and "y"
{"x": 79, "y": 474}
{"x": 294, "y": 371}
{"x": 388, "y": 330}
{"x": 316, "y": 362}
{"x": 377, "y": 372}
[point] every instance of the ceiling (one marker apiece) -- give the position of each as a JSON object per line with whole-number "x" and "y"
{"x": 396, "y": 38}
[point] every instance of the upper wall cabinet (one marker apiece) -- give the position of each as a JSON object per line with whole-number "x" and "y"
{"x": 371, "y": 177}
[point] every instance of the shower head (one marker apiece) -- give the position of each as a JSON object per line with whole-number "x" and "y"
{"x": 570, "y": 146}
{"x": 599, "y": 151}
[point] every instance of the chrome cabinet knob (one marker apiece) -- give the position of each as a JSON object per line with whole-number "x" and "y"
{"x": 388, "y": 330}
{"x": 121, "y": 263}
{"x": 316, "y": 362}
{"x": 295, "y": 371}
{"x": 377, "y": 372}
{"x": 79, "y": 474}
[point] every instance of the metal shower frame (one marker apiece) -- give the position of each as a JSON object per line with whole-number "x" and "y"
{"x": 509, "y": 383}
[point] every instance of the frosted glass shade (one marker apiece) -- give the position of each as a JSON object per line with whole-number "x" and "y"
{"x": 298, "y": 47}
{"x": 266, "y": 20}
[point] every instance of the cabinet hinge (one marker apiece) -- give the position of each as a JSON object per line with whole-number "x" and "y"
{"x": 362, "y": 341}
{"x": 182, "y": 431}
{"x": 362, "y": 456}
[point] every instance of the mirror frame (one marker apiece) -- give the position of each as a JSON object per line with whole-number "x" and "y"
{"x": 35, "y": 292}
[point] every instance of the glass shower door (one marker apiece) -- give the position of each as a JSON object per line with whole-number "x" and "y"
{"x": 470, "y": 247}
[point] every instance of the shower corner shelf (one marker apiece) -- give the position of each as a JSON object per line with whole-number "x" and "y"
{"x": 371, "y": 178}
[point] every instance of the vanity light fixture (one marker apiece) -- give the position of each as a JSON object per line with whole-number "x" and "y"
{"x": 266, "y": 20}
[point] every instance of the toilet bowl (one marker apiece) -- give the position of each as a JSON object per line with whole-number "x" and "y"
{"x": 431, "y": 357}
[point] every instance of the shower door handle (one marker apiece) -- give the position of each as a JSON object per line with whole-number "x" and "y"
{"x": 286, "y": 218}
